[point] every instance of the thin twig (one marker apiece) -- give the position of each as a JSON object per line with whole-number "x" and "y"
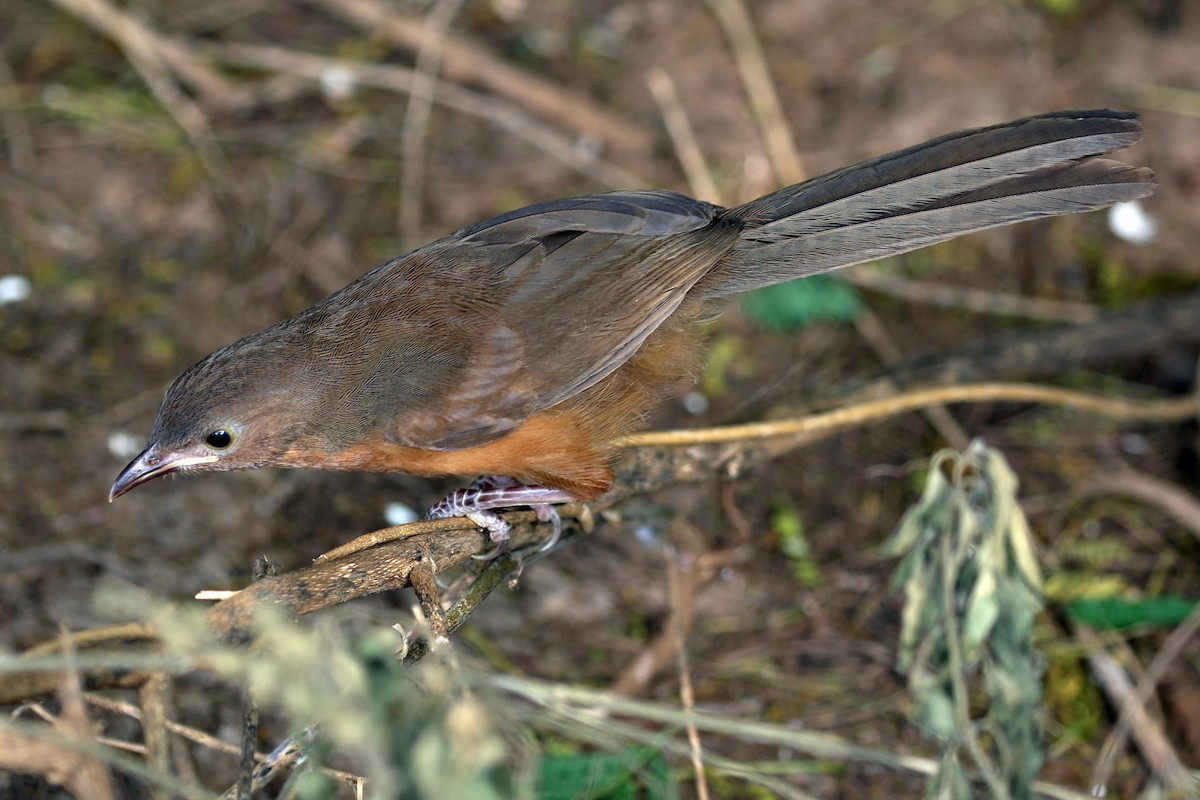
{"x": 870, "y": 328}
{"x": 1151, "y": 740}
{"x": 196, "y": 735}
{"x": 88, "y": 778}
{"x": 1126, "y": 410}
{"x": 467, "y": 63}
{"x": 942, "y": 295}
{"x": 416, "y": 117}
{"x": 608, "y": 732}
{"x": 683, "y": 137}
{"x": 1179, "y": 503}
{"x": 193, "y": 734}
{"x": 22, "y": 156}
{"x": 682, "y": 574}
{"x": 735, "y": 21}
{"x": 507, "y": 117}
{"x": 14, "y": 736}
{"x": 142, "y": 48}
{"x": 491, "y": 577}
{"x": 1128, "y": 333}
{"x": 661, "y": 650}
{"x": 244, "y": 788}
{"x": 153, "y": 697}
{"x": 1171, "y": 99}
{"x": 594, "y": 706}
{"x": 213, "y": 88}
{"x": 1132, "y": 709}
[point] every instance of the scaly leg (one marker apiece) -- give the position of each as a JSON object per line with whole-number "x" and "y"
{"x": 490, "y": 492}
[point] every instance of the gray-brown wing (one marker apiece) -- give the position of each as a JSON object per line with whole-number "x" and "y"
{"x": 560, "y": 295}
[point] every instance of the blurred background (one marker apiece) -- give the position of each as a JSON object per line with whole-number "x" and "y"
{"x": 175, "y": 176}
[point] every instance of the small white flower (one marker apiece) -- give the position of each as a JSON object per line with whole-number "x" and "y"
{"x": 337, "y": 82}
{"x": 14, "y": 289}
{"x": 1130, "y": 222}
{"x": 399, "y": 514}
{"x": 124, "y": 445}
{"x": 695, "y": 402}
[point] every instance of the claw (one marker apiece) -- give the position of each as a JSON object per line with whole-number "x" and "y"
{"x": 498, "y": 551}
{"x": 548, "y": 513}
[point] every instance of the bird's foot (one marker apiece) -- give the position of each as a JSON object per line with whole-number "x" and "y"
{"x": 478, "y": 500}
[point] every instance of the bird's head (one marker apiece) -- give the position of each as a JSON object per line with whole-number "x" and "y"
{"x": 224, "y": 413}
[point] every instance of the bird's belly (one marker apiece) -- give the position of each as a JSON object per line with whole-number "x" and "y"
{"x": 547, "y": 449}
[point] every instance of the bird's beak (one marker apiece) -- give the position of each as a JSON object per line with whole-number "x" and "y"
{"x": 150, "y": 465}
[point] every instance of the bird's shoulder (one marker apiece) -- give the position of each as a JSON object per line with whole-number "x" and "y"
{"x": 644, "y": 212}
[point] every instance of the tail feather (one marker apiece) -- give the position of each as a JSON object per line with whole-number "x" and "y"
{"x": 967, "y": 181}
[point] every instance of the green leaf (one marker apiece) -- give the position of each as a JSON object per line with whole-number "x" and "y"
{"x": 634, "y": 773}
{"x": 791, "y": 305}
{"x": 794, "y": 544}
{"x": 1061, "y": 8}
{"x": 1115, "y": 613}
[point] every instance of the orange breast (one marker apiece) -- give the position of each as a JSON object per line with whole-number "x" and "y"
{"x": 550, "y": 449}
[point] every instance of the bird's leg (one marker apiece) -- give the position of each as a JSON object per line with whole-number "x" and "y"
{"x": 478, "y": 500}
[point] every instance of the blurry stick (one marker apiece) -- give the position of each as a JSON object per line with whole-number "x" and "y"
{"x": 1171, "y": 99}
{"x": 760, "y": 89}
{"x": 941, "y": 295}
{"x": 244, "y": 788}
{"x": 127, "y": 29}
{"x": 416, "y": 117}
{"x": 659, "y": 653}
{"x": 683, "y": 579}
{"x": 873, "y": 332}
{"x": 1178, "y": 502}
{"x": 88, "y": 776}
{"x": 1134, "y": 720}
{"x": 156, "y": 52}
{"x": 21, "y": 152}
{"x": 468, "y": 63}
{"x": 388, "y": 77}
{"x": 199, "y": 737}
{"x": 153, "y": 698}
{"x": 679, "y": 128}
{"x": 142, "y": 48}
{"x": 592, "y": 707}
{"x": 134, "y": 712}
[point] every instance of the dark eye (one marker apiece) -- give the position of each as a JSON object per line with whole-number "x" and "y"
{"x": 219, "y": 439}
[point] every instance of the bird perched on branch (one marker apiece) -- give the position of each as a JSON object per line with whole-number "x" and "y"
{"x": 519, "y": 347}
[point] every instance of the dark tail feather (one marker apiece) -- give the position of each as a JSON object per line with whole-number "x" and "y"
{"x": 967, "y": 181}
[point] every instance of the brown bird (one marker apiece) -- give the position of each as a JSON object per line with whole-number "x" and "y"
{"x": 520, "y": 346}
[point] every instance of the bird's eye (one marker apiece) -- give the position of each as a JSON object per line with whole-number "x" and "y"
{"x": 219, "y": 439}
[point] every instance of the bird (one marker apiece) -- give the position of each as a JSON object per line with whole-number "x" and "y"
{"x": 518, "y": 348}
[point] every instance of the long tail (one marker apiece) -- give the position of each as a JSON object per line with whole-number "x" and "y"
{"x": 967, "y": 181}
